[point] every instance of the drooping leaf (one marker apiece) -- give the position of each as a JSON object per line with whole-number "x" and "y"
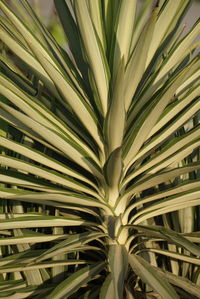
{"x": 149, "y": 275}
{"x": 76, "y": 280}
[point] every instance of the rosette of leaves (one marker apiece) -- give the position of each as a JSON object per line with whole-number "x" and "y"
{"x": 99, "y": 152}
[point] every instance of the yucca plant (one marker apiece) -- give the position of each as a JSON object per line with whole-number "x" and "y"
{"x": 99, "y": 152}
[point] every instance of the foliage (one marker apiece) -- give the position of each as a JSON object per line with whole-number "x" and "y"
{"x": 100, "y": 152}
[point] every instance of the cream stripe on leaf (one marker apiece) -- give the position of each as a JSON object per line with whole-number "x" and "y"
{"x": 124, "y": 32}
{"x": 150, "y": 116}
{"x": 136, "y": 65}
{"x": 94, "y": 54}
